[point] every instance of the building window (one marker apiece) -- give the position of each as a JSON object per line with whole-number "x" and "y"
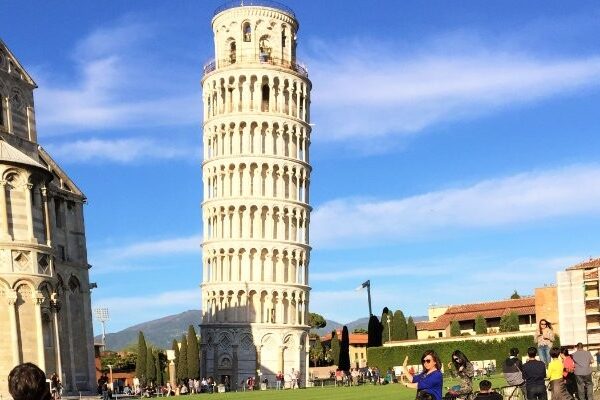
{"x": 247, "y": 30}
{"x": 283, "y": 37}
{"x": 265, "y": 97}
{"x": 440, "y": 334}
{"x": 58, "y": 215}
{"x": 232, "y": 52}
{"x": 1, "y": 111}
{"x": 62, "y": 253}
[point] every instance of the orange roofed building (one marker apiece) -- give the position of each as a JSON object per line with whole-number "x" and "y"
{"x": 440, "y": 317}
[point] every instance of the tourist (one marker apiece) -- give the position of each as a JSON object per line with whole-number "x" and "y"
{"x": 583, "y": 372}
{"x": 279, "y": 380}
{"x": 430, "y": 380}
{"x": 375, "y": 375}
{"x": 28, "y": 382}
{"x": 465, "y": 372}
{"x": 513, "y": 370}
{"x": 294, "y": 377}
{"x": 569, "y": 372}
{"x": 534, "y": 373}
{"x": 555, "y": 374}
{"x": 55, "y": 386}
{"x": 354, "y": 374}
{"x": 597, "y": 360}
{"x": 545, "y": 340}
{"x": 486, "y": 392}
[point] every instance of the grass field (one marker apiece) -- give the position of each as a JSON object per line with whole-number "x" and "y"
{"x": 368, "y": 392}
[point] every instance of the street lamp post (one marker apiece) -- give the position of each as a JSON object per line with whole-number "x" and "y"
{"x": 103, "y": 317}
{"x": 389, "y": 320}
{"x": 367, "y": 284}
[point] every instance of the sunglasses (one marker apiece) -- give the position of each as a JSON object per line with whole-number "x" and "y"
{"x": 427, "y": 361}
{"x": 456, "y": 359}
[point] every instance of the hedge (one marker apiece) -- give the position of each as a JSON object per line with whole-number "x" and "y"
{"x": 386, "y": 357}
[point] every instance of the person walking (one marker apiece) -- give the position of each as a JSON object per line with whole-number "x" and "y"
{"x": 430, "y": 380}
{"x": 583, "y": 372}
{"x": 569, "y": 372}
{"x": 555, "y": 374}
{"x": 545, "y": 340}
{"x": 534, "y": 373}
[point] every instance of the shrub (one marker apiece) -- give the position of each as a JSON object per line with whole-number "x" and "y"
{"x": 475, "y": 350}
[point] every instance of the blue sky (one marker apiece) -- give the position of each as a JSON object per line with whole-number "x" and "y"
{"x": 455, "y": 150}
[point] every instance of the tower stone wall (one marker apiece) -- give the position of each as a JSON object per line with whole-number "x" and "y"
{"x": 256, "y": 212}
{"x": 45, "y": 311}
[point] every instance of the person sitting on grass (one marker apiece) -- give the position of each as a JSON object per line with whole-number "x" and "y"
{"x": 486, "y": 392}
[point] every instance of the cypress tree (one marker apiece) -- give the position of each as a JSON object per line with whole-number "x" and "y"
{"x": 150, "y": 366}
{"x": 411, "y": 329}
{"x": 480, "y": 325}
{"x": 175, "y": 348}
{"x": 344, "y": 364}
{"x": 182, "y": 372}
{"x": 140, "y": 364}
{"x": 160, "y": 378}
{"x": 193, "y": 354}
{"x": 454, "y": 328}
{"x": 374, "y": 332}
{"x": 335, "y": 348}
{"x": 399, "y": 330}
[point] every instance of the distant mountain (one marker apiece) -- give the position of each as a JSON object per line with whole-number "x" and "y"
{"x": 160, "y": 332}
{"x": 361, "y": 323}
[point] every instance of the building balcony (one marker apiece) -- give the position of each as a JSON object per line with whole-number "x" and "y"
{"x": 262, "y": 59}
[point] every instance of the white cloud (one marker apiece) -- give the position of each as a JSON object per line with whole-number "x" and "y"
{"x": 124, "y": 150}
{"x": 463, "y": 280}
{"x": 119, "y": 81}
{"x": 177, "y": 298}
{"x": 368, "y": 91}
{"x": 517, "y": 199}
{"x": 136, "y": 256}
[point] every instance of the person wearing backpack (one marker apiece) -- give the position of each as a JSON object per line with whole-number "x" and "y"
{"x": 513, "y": 371}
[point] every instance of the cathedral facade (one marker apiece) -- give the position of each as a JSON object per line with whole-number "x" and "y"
{"x": 256, "y": 211}
{"x": 45, "y": 310}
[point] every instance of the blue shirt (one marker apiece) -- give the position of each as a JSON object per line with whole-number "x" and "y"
{"x": 431, "y": 383}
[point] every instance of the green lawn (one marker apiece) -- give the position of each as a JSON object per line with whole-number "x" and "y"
{"x": 369, "y": 392}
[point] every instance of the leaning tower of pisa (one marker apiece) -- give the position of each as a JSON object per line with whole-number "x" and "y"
{"x": 256, "y": 175}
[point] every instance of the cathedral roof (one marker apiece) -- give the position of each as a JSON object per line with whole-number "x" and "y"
{"x": 22, "y": 72}
{"x": 11, "y": 154}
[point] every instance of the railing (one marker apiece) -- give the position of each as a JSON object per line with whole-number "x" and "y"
{"x": 259, "y": 3}
{"x": 211, "y": 65}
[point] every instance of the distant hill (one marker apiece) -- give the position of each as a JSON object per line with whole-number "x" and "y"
{"x": 161, "y": 332}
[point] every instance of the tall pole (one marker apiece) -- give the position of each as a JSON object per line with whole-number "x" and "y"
{"x": 369, "y": 297}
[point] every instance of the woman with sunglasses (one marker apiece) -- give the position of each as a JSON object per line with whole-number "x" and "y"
{"x": 430, "y": 380}
{"x": 545, "y": 340}
{"x": 465, "y": 372}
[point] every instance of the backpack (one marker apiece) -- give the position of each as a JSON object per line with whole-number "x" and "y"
{"x": 512, "y": 373}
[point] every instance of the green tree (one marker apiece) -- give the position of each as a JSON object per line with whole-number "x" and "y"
{"x": 335, "y": 348}
{"x": 161, "y": 359}
{"x": 454, "y": 328}
{"x": 182, "y": 372}
{"x": 480, "y": 325}
{"x": 316, "y": 321}
{"x": 386, "y": 321}
{"x": 399, "y": 329}
{"x": 509, "y": 322}
{"x": 344, "y": 363}
{"x": 375, "y": 331}
{"x": 140, "y": 365}
{"x": 316, "y": 352}
{"x": 411, "y": 329}
{"x": 193, "y": 354}
{"x": 515, "y": 295}
{"x": 360, "y": 330}
{"x": 175, "y": 348}
{"x": 150, "y": 366}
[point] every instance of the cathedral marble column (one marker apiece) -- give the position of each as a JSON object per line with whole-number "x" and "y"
{"x": 12, "y": 298}
{"x": 4, "y": 233}
{"x": 38, "y": 298}
{"x": 55, "y": 308}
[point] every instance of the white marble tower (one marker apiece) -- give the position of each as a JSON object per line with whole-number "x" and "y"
{"x": 256, "y": 212}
